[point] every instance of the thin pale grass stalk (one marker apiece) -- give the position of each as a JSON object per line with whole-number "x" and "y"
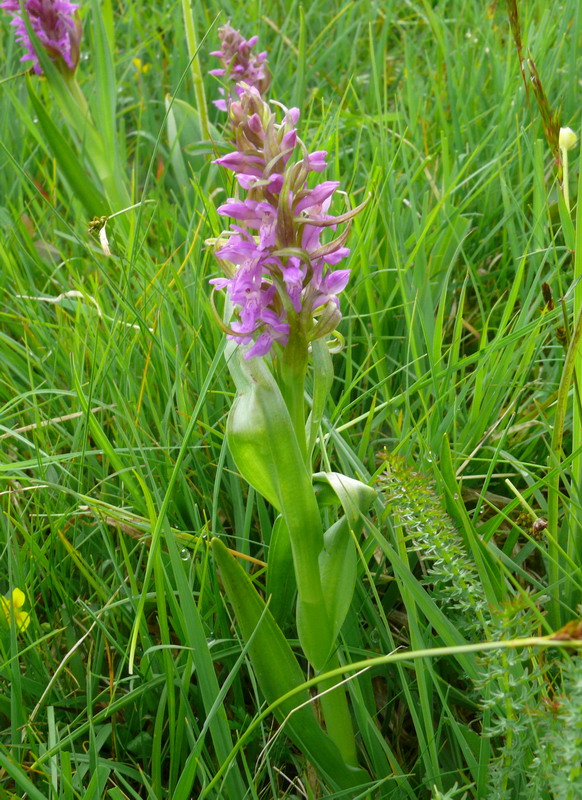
{"x": 574, "y": 546}
{"x": 197, "y": 80}
{"x": 54, "y": 421}
{"x": 140, "y": 528}
{"x": 556, "y": 455}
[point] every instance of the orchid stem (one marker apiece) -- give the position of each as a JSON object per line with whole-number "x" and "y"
{"x": 338, "y": 721}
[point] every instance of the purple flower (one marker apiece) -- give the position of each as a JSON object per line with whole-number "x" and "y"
{"x": 239, "y": 64}
{"x": 276, "y": 331}
{"x": 261, "y": 216}
{"x": 317, "y": 161}
{"x": 242, "y": 162}
{"x": 280, "y": 253}
{"x": 316, "y": 197}
{"x": 55, "y": 23}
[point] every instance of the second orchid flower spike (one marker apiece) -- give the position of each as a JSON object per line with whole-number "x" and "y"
{"x": 57, "y": 25}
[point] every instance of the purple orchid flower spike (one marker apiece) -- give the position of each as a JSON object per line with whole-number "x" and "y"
{"x": 57, "y": 26}
{"x": 239, "y": 65}
{"x": 277, "y": 256}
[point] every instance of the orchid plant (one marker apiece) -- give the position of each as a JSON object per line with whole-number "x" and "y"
{"x": 281, "y": 307}
{"x": 281, "y": 283}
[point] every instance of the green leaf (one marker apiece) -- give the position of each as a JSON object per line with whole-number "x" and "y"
{"x": 354, "y": 496}
{"x": 248, "y": 435}
{"x": 338, "y": 565}
{"x": 71, "y": 167}
{"x": 20, "y": 778}
{"x": 106, "y": 157}
{"x": 106, "y": 88}
{"x": 338, "y": 561}
{"x": 277, "y": 672}
{"x": 96, "y": 785}
{"x": 176, "y": 156}
{"x": 281, "y": 584}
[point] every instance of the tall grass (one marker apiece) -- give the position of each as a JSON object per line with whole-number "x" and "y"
{"x": 113, "y": 396}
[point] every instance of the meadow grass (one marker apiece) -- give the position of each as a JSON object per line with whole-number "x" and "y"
{"x": 449, "y": 397}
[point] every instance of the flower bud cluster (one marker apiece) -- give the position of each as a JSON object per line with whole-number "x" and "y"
{"x": 55, "y": 23}
{"x": 239, "y": 64}
{"x": 277, "y": 265}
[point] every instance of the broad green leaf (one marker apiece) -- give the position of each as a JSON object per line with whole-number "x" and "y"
{"x": 277, "y": 672}
{"x": 338, "y": 562}
{"x": 96, "y": 785}
{"x": 189, "y": 148}
{"x": 108, "y": 161}
{"x": 106, "y": 88}
{"x": 178, "y": 162}
{"x": 74, "y": 108}
{"x": 338, "y": 566}
{"x": 249, "y": 442}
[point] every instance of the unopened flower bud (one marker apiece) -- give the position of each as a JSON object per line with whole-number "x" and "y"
{"x": 567, "y": 139}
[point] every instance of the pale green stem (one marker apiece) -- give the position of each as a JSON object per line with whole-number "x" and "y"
{"x": 79, "y": 97}
{"x": 572, "y": 356}
{"x": 305, "y": 528}
{"x": 338, "y": 720}
{"x": 291, "y": 380}
{"x": 334, "y": 703}
{"x": 293, "y": 391}
{"x": 192, "y": 42}
{"x": 565, "y": 181}
{"x": 575, "y": 538}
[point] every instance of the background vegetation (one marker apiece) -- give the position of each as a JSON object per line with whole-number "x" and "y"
{"x": 113, "y": 398}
